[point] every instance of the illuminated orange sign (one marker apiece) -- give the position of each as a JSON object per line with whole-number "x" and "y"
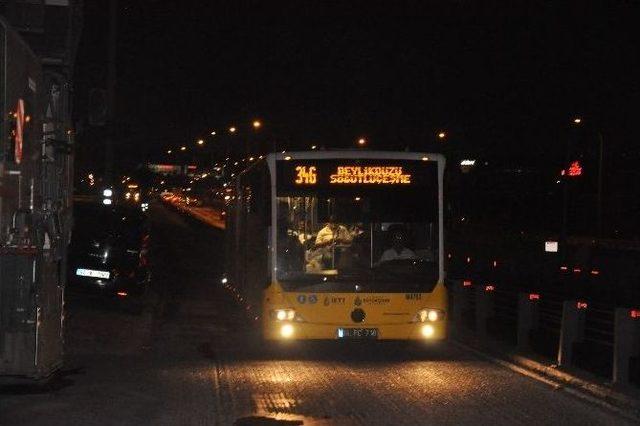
{"x": 575, "y": 169}
{"x": 370, "y": 175}
{"x": 306, "y": 175}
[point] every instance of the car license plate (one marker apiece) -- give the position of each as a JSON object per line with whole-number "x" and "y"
{"x": 92, "y": 273}
{"x": 357, "y": 333}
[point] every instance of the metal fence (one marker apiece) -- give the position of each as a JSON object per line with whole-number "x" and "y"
{"x": 600, "y": 339}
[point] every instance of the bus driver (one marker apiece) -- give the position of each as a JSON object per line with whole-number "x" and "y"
{"x": 397, "y": 250}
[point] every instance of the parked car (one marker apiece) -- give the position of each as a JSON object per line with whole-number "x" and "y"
{"x": 108, "y": 253}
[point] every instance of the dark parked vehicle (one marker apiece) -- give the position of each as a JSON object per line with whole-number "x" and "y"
{"x": 109, "y": 252}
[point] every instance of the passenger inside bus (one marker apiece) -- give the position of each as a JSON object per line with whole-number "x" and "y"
{"x": 333, "y": 233}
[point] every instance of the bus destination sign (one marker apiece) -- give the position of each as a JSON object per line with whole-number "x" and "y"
{"x": 355, "y": 174}
{"x": 370, "y": 175}
{"x": 360, "y": 175}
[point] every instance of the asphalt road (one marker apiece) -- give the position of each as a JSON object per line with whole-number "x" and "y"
{"x": 188, "y": 360}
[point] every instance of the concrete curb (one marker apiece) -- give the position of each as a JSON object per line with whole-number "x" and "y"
{"x": 595, "y": 393}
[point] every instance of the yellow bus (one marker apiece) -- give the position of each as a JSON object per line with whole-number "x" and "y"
{"x": 340, "y": 245}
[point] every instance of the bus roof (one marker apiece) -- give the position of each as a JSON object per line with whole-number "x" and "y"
{"x": 356, "y": 154}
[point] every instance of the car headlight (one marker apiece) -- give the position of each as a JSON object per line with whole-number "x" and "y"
{"x": 283, "y": 314}
{"x": 428, "y": 315}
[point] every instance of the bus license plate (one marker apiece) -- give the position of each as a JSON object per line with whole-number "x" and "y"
{"x": 357, "y": 333}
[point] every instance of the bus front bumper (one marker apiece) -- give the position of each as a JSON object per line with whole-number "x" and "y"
{"x": 291, "y": 330}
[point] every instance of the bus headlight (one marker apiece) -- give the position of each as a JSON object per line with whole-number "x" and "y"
{"x": 286, "y": 331}
{"x": 427, "y": 330}
{"x": 283, "y": 314}
{"x": 428, "y": 315}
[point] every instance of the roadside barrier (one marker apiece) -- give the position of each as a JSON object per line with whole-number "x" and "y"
{"x": 599, "y": 339}
{"x": 626, "y": 345}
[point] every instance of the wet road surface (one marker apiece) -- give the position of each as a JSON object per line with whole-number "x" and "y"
{"x": 188, "y": 359}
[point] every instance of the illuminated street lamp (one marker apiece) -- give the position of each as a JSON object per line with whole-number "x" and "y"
{"x": 200, "y": 142}
{"x": 213, "y": 133}
{"x": 232, "y": 129}
{"x": 577, "y": 120}
{"x": 256, "y": 124}
{"x": 362, "y": 141}
{"x": 442, "y": 135}
{"x": 169, "y": 151}
{"x": 183, "y": 148}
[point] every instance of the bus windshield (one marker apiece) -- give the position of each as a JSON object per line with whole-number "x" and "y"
{"x": 381, "y": 241}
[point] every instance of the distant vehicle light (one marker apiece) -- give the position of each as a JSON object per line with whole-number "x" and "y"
{"x": 489, "y": 287}
{"x": 634, "y": 313}
{"x": 466, "y": 283}
{"x": 107, "y": 192}
{"x": 286, "y": 331}
{"x": 107, "y": 201}
{"x": 551, "y": 246}
{"x": 577, "y": 270}
{"x": 582, "y": 305}
{"x": 224, "y": 280}
{"x": 595, "y": 272}
{"x": 425, "y": 158}
{"x": 534, "y": 296}
{"x": 564, "y": 268}
{"x": 122, "y": 293}
{"x": 468, "y": 162}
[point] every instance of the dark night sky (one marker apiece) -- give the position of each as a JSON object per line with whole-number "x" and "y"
{"x": 500, "y": 80}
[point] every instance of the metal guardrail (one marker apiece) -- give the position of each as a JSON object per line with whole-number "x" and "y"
{"x": 612, "y": 334}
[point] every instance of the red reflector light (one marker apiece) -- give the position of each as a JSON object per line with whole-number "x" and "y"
{"x": 564, "y": 268}
{"x": 577, "y": 270}
{"x": 122, "y": 293}
{"x": 595, "y": 272}
{"x": 634, "y": 313}
{"x": 466, "y": 283}
{"x": 534, "y": 296}
{"x": 581, "y": 305}
{"x": 489, "y": 287}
